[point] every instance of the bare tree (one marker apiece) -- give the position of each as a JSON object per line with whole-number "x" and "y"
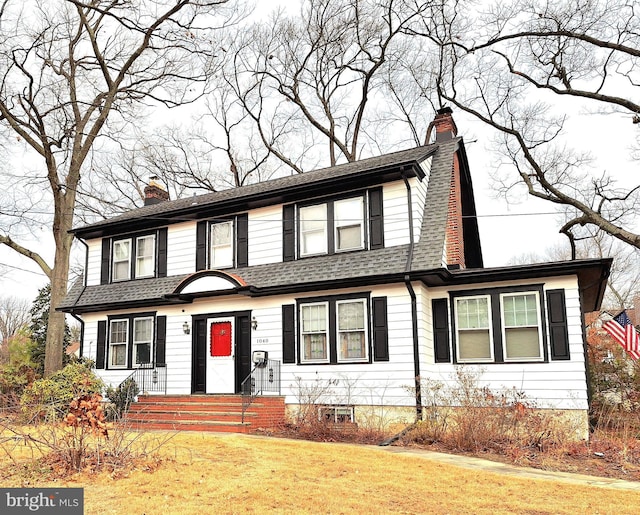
{"x": 14, "y": 315}
{"x": 510, "y": 64}
{"x": 72, "y": 71}
{"x": 316, "y": 85}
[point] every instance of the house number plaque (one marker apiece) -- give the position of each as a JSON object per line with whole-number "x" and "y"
{"x": 262, "y": 340}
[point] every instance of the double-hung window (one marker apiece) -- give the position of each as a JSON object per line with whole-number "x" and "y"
{"x": 352, "y": 330}
{"x": 521, "y": 330}
{"x": 142, "y": 340}
{"x": 134, "y": 256}
{"x": 313, "y": 230}
{"x": 314, "y": 322}
{"x": 145, "y": 255}
{"x": 121, "y": 260}
{"x": 118, "y": 343}
{"x": 348, "y": 217}
{"x": 334, "y": 329}
{"x": 221, "y": 240}
{"x": 333, "y": 226}
{"x": 475, "y": 342}
{"x": 499, "y": 327}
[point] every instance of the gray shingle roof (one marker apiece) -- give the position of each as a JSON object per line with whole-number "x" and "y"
{"x": 393, "y": 159}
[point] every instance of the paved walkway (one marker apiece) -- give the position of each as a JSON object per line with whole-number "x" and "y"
{"x": 512, "y": 470}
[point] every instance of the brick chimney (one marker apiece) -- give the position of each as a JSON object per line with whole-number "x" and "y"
{"x": 154, "y": 193}
{"x": 446, "y": 130}
{"x": 445, "y": 126}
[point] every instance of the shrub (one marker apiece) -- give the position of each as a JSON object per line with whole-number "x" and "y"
{"x": 470, "y": 417}
{"x": 121, "y": 397}
{"x": 48, "y": 398}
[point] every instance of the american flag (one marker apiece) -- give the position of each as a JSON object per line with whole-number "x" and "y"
{"x": 623, "y": 331}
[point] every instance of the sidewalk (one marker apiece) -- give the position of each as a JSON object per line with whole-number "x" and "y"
{"x": 471, "y": 462}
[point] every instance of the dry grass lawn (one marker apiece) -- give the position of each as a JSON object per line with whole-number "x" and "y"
{"x": 209, "y": 473}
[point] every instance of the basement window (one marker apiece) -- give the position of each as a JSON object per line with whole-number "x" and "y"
{"x": 336, "y": 414}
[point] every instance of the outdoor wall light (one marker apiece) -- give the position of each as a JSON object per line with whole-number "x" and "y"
{"x": 254, "y": 323}
{"x": 185, "y": 328}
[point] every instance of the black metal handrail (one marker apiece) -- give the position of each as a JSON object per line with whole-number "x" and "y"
{"x": 150, "y": 378}
{"x": 264, "y": 377}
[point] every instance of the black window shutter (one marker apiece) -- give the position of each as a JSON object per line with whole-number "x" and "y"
{"x": 558, "y": 332}
{"x": 441, "y": 345}
{"x": 288, "y": 233}
{"x": 288, "y": 333}
{"x": 101, "y": 343}
{"x": 380, "y": 329}
{"x": 105, "y": 259}
{"x": 243, "y": 240}
{"x": 162, "y": 253}
{"x": 161, "y": 341}
{"x": 201, "y": 245}
{"x": 376, "y": 222}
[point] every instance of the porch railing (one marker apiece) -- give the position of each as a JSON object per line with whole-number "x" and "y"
{"x": 264, "y": 378}
{"x": 150, "y": 378}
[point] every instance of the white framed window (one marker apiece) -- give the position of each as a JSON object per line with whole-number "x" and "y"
{"x": 221, "y": 251}
{"x": 474, "y": 329}
{"x": 118, "y": 343}
{"x": 142, "y": 340}
{"x": 121, "y": 265}
{"x": 351, "y": 317}
{"x": 313, "y": 230}
{"x": 145, "y": 256}
{"x": 521, "y": 326}
{"x": 314, "y": 328}
{"x": 348, "y": 217}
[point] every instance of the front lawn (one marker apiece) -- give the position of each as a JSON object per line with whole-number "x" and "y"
{"x": 211, "y": 473}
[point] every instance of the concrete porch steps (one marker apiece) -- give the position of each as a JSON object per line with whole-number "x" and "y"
{"x": 221, "y": 413}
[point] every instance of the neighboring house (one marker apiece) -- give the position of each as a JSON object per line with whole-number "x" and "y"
{"x": 357, "y": 278}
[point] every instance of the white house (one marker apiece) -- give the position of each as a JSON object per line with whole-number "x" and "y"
{"x": 356, "y": 279}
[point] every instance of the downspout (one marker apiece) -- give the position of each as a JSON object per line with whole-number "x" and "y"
{"x": 414, "y": 304}
{"x": 84, "y": 287}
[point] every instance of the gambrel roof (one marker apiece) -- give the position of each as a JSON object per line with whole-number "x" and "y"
{"x": 421, "y": 261}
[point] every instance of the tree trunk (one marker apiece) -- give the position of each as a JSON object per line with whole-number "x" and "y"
{"x": 59, "y": 279}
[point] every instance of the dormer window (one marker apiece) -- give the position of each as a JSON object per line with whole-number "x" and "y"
{"x": 121, "y": 260}
{"x": 333, "y": 226}
{"x": 330, "y": 227}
